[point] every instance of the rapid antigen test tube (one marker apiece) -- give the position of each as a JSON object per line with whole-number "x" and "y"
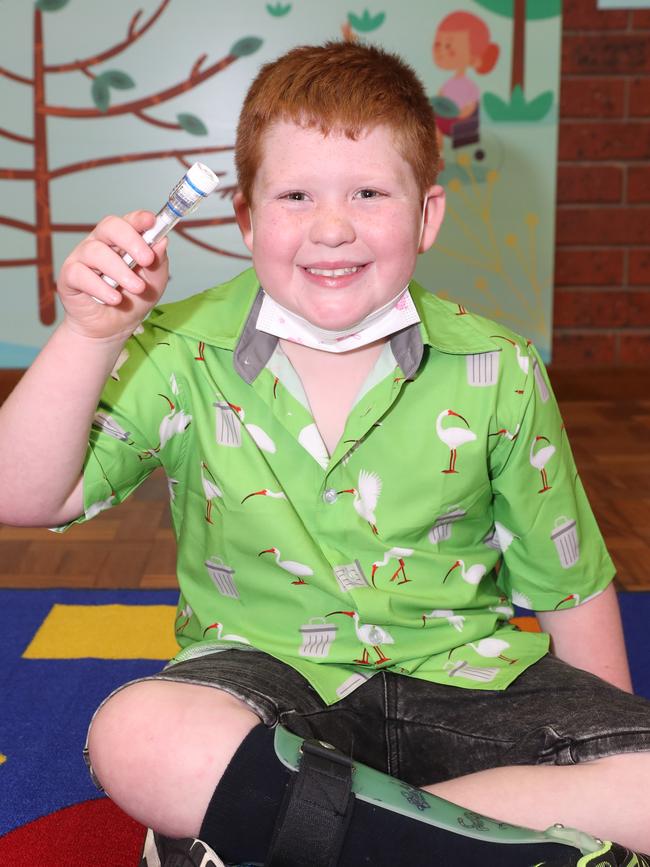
{"x": 184, "y": 199}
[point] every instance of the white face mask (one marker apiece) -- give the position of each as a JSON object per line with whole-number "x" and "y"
{"x": 396, "y": 314}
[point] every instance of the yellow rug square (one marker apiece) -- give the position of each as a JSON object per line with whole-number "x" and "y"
{"x": 105, "y": 632}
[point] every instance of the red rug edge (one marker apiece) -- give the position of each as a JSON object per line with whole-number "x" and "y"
{"x": 94, "y": 832}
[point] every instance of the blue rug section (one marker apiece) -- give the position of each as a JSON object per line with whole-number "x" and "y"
{"x": 46, "y": 705}
{"x": 635, "y": 613}
{"x": 635, "y": 610}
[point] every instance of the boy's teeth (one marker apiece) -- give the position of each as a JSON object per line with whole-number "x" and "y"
{"x": 333, "y": 272}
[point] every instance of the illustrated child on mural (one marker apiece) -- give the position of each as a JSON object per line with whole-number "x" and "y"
{"x": 462, "y": 42}
{"x": 363, "y": 479}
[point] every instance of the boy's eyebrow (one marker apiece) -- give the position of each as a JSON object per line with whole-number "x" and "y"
{"x": 294, "y": 178}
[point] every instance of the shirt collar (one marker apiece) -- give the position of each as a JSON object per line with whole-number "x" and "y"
{"x": 225, "y": 316}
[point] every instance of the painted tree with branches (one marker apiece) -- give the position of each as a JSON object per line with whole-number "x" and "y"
{"x": 518, "y": 108}
{"x": 103, "y": 85}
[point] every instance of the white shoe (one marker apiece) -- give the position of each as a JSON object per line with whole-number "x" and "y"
{"x": 162, "y": 851}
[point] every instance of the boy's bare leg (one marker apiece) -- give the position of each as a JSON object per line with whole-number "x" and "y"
{"x": 607, "y": 797}
{"x": 160, "y": 749}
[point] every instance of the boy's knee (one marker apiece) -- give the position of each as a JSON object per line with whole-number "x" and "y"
{"x": 125, "y": 734}
{"x": 159, "y": 749}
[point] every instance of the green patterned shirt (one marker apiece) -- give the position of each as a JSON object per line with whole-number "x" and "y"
{"x": 452, "y": 494}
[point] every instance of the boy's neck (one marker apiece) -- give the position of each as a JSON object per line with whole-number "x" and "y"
{"x": 331, "y": 382}
{"x": 311, "y": 356}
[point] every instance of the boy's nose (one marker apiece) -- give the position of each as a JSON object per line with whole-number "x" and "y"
{"x": 333, "y": 227}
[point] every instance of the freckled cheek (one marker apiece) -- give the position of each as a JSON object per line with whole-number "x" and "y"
{"x": 379, "y": 220}
{"x": 276, "y": 242}
{"x": 391, "y": 232}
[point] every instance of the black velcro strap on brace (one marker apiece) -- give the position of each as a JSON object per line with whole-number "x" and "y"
{"x": 316, "y": 810}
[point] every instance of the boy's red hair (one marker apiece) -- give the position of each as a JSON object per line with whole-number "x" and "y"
{"x": 339, "y": 86}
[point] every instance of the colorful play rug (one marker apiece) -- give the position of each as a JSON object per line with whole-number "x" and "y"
{"x": 64, "y": 651}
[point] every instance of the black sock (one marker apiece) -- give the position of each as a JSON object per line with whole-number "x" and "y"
{"x": 241, "y": 816}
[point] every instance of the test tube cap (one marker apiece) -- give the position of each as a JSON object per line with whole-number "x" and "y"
{"x": 203, "y": 178}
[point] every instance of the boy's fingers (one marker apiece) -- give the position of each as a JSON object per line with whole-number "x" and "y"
{"x": 97, "y": 256}
{"x": 157, "y": 272}
{"x": 101, "y": 253}
{"x": 125, "y": 234}
{"x": 160, "y": 253}
{"x": 140, "y": 219}
{"x": 82, "y": 279}
{"x": 160, "y": 248}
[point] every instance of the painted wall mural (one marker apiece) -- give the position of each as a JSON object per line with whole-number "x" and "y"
{"x": 104, "y": 104}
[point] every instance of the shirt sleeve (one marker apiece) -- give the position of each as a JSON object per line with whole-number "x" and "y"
{"x": 136, "y": 429}
{"x": 553, "y": 554}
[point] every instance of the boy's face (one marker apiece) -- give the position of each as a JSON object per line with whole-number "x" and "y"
{"x": 335, "y": 225}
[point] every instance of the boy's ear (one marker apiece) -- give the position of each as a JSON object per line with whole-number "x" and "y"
{"x": 434, "y": 212}
{"x": 244, "y": 219}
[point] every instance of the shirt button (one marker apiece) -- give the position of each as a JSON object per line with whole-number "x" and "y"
{"x": 330, "y": 496}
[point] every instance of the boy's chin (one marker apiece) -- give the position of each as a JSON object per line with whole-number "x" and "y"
{"x": 333, "y": 324}
{"x": 335, "y": 319}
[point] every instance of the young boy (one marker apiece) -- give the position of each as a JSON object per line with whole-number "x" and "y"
{"x": 362, "y": 478}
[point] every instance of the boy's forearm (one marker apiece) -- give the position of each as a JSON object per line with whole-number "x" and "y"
{"x": 44, "y": 426}
{"x": 590, "y": 636}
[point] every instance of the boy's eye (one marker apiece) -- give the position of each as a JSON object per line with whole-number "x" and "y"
{"x": 295, "y": 196}
{"x": 368, "y": 194}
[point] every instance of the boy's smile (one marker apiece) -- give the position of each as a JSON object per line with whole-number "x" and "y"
{"x": 337, "y": 224}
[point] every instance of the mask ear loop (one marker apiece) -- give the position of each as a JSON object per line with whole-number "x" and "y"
{"x": 424, "y": 213}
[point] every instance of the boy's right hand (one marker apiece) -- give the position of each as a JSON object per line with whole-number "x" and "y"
{"x": 101, "y": 253}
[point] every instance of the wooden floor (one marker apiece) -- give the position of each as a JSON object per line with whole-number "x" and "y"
{"x": 133, "y": 546}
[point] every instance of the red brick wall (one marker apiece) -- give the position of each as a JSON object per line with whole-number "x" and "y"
{"x": 602, "y": 263}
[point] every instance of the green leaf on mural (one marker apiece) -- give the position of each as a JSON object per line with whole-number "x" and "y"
{"x": 51, "y": 5}
{"x": 278, "y": 10}
{"x": 496, "y": 108}
{"x": 518, "y": 109}
{"x": 117, "y": 79}
{"x": 539, "y": 107}
{"x": 192, "y": 124}
{"x": 366, "y": 22}
{"x": 101, "y": 93}
{"x": 245, "y": 46}
{"x": 536, "y": 10}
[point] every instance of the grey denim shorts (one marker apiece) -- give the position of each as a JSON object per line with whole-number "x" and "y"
{"x": 425, "y": 733}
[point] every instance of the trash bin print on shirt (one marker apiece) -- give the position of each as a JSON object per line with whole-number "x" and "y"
{"x": 542, "y": 388}
{"x": 222, "y": 577}
{"x": 441, "y": 530}
{"x": 485, "y": 674}
{"x": 352, "y": 682}
{"x": 483, "y": 368}
{"x": 228, "y": 425}
{"x": 499, "y": 538}
{"x": 317, "y": 637}
{"x": 110, "y": 427}
{"x": 565, "y": 538}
